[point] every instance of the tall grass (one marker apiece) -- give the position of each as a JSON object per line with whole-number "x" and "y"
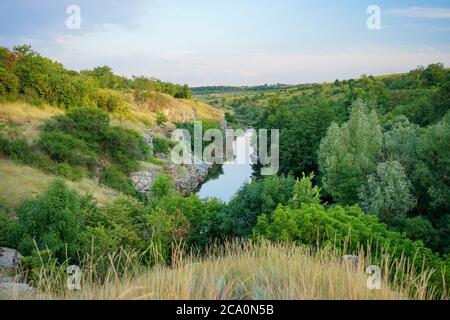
{"x": 236, "y": 270}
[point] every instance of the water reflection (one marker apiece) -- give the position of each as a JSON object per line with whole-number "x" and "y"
{"x": 235, "y": 173}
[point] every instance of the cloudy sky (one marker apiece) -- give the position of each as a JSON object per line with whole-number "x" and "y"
{"x": 233, "y": 42}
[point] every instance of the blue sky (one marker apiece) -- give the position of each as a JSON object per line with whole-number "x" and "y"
{"x": 245, "y": 42}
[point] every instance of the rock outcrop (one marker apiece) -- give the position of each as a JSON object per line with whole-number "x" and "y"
{"x": 9, "y": 258}
{"x": 187, "y": 178}
{"x": 143, "y": 180}
{"x": 11, "y": 286}
{"x": 148, "y": 138}
{"x": 193, "y": 178}
{"x": 15, "y": 289}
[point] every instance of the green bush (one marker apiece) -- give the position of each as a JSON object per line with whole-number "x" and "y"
{"x": 123, "y": 223}
{"x": 69, "y": 172}
{"x": 256, "y": 198}
{"x": 161, "y": 145}
{"x": 54, "y": 221}
{"x": 115, "y": 179}
{"x": 162, "y": 186}
{"x": 109, "y": 101}
{"x": 89, "y": 124}
{"x": 17, "y": 149}
{"x": 161, "y": 118}
{"x": 9, "y": 234}
{"x": 9, "y": 84}
{"x": 63, "y": 147}
{"x": 125, "y": 147}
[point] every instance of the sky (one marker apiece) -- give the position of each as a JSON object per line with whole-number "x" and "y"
{"x": 233, "y": 42}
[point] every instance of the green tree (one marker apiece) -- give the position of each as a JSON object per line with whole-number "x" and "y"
{"x": 349, "y": 153}
{"x": 304, "y": 192}
{"x": 388, "y": 192}
{"x": 261, "y": 196}
{"x": 432, "y": 173}
{"x": 400, "y": 141}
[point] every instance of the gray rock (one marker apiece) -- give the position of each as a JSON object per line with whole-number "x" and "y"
{"x": 196, "y": 175}
{"x": 148, "y": 138}
{"x": 16, "y": 289}
{"x": 9, "y": 258}
{"x": 143, "y": 180}
{"x": 7, "y": 279}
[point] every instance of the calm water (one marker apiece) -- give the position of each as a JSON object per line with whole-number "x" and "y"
{"x": 234, "y": 174}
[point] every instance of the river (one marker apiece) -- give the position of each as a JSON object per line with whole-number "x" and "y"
{"x": 234, "y": 175}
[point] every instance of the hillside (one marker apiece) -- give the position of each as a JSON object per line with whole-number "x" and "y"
{"x": 87, "y": 180}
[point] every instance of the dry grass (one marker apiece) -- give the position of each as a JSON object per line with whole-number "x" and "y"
{"x": 27, "y": 117}
{"x": 18, "y": 182}
{"x": 241, "y": 270}
{"x": 177, "y": 110}
{"x": 21, "y": 111}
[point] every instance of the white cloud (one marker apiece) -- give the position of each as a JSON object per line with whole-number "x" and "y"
{"x": 422, "y": 12}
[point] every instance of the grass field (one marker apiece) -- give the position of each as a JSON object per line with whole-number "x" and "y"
{"x": 240, "y": 270}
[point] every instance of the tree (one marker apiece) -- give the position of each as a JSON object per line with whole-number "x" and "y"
{"x": 304, "y": 192}
{"x": 433, "y": 74}
{"x": 387, "y": 193}
{"x": 432, "y": 173}
{"x": 349, "y": 153}
{"x": 400, "y": 141}
{"x": 254, "y": 199}
{"x": 306, "y": 126}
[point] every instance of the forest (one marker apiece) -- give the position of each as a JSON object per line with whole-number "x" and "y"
{"x": 364, "y": 165}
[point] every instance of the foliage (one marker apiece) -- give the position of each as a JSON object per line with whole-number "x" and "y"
{"x": 114, "y": 178}
{"x": 161, "y": 118}
{"x": 304, "y": 192}
{"x": 63, "y": 147}
{"x": 53, "y": 221}
{"x": 161, "y": 145}
{"x": 347, "y": 228}
{"x": 38, "y": 79}
{"x": 254, "y": 199}
{"x": 388, "y": 192}
{"x": 349, "y": 153}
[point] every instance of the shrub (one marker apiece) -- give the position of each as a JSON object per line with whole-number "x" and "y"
{"x": 114, "y": 178}
{"x": 256, "y": 198}
{"x": 109, "y": 101}
{"x": 89, "y": 124}
{"x": 9, "y": 84}
{"x": 162, "y": 186}
{"x": 69, "y": 172}
{"x": 161, "y": 118}
{"x": 9, "y": 235}
{"x": 63, "y": 147}
{"x": 161, "y": 145}
{"x": 17, "y": 149}
{"x": 121, "y": 224}
{"x": 54, "y": 221}
{"x": 125, "y": 147}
